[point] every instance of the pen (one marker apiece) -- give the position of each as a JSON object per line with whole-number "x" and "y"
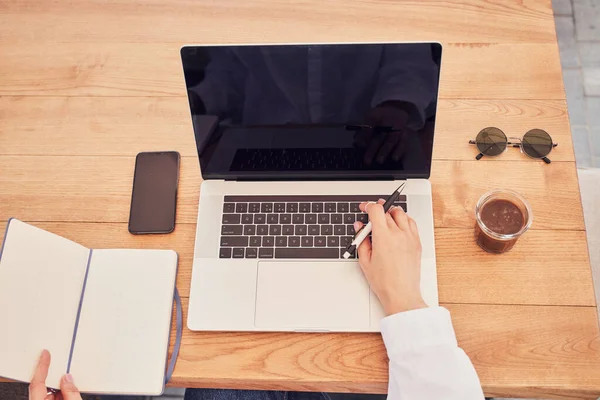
{"x": 363, "y": 232}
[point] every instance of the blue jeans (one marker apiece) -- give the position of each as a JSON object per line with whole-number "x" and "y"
{"x": 224, "y": 394}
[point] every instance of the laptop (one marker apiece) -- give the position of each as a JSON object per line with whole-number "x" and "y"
{"x": 290, "y": 139}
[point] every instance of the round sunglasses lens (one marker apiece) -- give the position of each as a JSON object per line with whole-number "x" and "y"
{"x": 537, "y": 143}
{"x": 491, "y": 141}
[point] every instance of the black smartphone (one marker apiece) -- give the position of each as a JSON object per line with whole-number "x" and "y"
{"x": 154, "y": 194}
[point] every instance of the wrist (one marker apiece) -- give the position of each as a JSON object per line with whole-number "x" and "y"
{"x": 405, "y": 304}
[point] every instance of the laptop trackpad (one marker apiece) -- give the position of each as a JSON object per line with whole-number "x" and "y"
{"x": 311, "y": 295}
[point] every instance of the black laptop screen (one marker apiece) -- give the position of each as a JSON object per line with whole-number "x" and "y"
{"x": 347, "y": 111}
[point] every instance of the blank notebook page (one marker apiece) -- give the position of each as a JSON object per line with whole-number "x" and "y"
{"x": 123, "y": 335}
{"x": 41, "y": 277}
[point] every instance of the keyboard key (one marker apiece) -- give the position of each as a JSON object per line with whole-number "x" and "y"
{"x": 339, "y": 230}
{"x": 337, "y": 218}
{"x": 333, "y": 241}
{"x": 272, "y": 218}
{"x": 304, "y": 207}
{"x": 225, "y": 252}
{"x": 251, "y": 252}
{"x": 350, "y": 230}
{"x": 247, "y": 219}
{"x": 274, "y": 230}
{"x": 260, "y": 218}
{"x": 292, "y": 207}
{"x": 265, "y": 252}
{"x": 320, "y": 241}
{"x": 228, "y": 207}
{"x": 249, "y": 230}
{"x": 254, "y": 207}
{"x": 268, "y": 241}
{"x": 317, "y": 207}
{"x": 330, "y": 207}
{"x": 255, "y": 241}
{"x": 262, "y": 230}
{"x": 298, "y": 218}
{"x": 279, "y": 207}
{"x": 303, "y": 252}
{"x": 294, "y": 241}
{"x": 342, "y": 207}
{"x": 266, "y": 207}
{"x": 326, "y": 229}
{"x": 238, "y": 252}
{"x": 231, "y": 219}
{"x": 364, "y": 218}
{"x": 313, "y": 230}
{"x": 231, "y": 230}
{"x": 345, "y": 241}
{"x": 310, "y": 219}
{"x": 354, "y": 207}
{"x": 241, "y": 208}
{"x": 323, "y": 218}
{"x": 300, "y": 230}
{"x": 281, "y": 241}
{"x": 288, "y": 230}
{"x": 285, "y": 218}
{"x": 234, "y": 241}
{"x": 349, "y": 218}
{"x": 307, "y": 241}
{"x": 343, "y": 250}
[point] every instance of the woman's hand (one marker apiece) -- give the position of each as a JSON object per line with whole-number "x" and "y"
{"x": 391, "y": 261}
{"x": 37, "y": 387}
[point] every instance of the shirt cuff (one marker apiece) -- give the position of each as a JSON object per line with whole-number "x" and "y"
{"x": 417, "y": 329}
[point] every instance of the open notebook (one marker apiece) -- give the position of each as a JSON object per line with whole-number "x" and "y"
{"x": 104, "y": 315}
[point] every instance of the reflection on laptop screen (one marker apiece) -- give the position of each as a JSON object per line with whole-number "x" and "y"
{"x": 348, "y": 111}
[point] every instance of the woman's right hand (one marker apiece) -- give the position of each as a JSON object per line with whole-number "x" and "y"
{"x": 391, "y": 261}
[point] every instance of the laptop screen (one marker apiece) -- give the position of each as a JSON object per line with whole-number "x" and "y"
{"x": 328, "y": 111}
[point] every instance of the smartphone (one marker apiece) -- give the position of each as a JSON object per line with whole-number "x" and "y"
{"x": 154, "y": 194}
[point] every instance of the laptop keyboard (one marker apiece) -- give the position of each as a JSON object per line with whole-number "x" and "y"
{"x": 291, "y": 226}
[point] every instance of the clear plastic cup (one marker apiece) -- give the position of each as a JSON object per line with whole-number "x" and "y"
{"x": 502, "y": 217}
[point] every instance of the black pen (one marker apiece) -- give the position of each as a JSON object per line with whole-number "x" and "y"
{"x": 366, "y": 229}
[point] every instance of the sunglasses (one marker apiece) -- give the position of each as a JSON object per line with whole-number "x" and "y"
{"x": 492, "y": 142}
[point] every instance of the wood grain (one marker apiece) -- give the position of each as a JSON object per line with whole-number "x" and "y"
{"x": 535, "y": 272}
{"x": 486, "y": 71}
{"x": 121, "y": 125}
{"x": 188, "y": 21}
{"x": 515, "y": 349}
{"x": 98, "y": 189}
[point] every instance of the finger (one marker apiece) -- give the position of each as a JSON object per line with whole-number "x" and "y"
{"x": 365, "y": 248}
{"x": 68, "y": 389}
{"x": 390, "y": 143}
{"x": 413, "y": 226}
{"x": 400, "y": 148}
{"x": 376, "y": 217}
{"x": 400, "y": 218}
{"x": 373, "y": 148}
{"x": 50, "y": 396}
{"x": 37, "y": 387}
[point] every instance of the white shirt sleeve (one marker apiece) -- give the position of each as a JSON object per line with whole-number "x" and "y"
{"x": 425, "y": 360}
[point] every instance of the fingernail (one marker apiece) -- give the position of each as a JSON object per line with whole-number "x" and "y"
{"x": 356, "y": 226}
{"x": 69, "y": 378}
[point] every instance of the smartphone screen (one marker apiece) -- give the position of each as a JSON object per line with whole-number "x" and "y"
{"x": 154, "y": 195}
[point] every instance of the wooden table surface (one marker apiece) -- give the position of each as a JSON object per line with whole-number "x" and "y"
{"x": 86, "y": 85}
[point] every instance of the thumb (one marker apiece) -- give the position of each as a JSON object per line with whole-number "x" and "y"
{"x": 68, "y": 389}
{"x": 364, "y": 250}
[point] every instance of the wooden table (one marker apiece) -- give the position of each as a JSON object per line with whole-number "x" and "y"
{"x": 86, "y": 85}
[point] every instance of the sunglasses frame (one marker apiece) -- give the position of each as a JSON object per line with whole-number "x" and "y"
{"x": 518, "y": 144}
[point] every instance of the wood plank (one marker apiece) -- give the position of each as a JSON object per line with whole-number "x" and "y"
{"x": 118, "y": 125}
{"x": 98, "y": 189}
{"x": 185, "y": 21}
{"x": 546, "y": 352}
{"x": 544, "y": 268}
{"x": 480, "y": 71}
